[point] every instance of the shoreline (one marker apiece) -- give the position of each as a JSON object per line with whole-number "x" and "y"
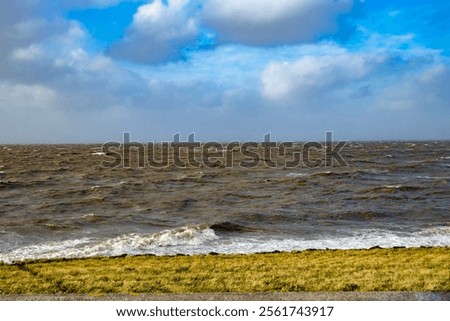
{"x": 196, "y": 255}
{"x": 344, "y": 273}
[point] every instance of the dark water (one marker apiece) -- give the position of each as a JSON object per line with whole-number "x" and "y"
{"x": 58, "y": 201}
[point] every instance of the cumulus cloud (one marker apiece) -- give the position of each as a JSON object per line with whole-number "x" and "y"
{"x": 30, "y": 53}
{"x": 270, "y": 22}
{"x": 368, "y": 79}
{"x": 328, "y": 77}
{"x": 54, "y": 85}
{"x": 159, "y": 31}
{"x": 311, "y": 75}
{"x": 30, "y": 42}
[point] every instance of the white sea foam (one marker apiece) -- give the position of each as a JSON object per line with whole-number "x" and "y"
{"x": 166, "y": 242}
{"x": 203, "y": 240}
{"x": 296, "y": 175}
{"x": 393, "y": 186}
{"x": 9, "y": 240}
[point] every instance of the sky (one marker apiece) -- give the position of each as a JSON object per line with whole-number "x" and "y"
{"x": 87, "y": 71}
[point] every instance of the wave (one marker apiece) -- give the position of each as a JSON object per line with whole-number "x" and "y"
{"x": 131, "y": 244}
{"x": 201, "y": 239}
{"x": 298, "y": 175}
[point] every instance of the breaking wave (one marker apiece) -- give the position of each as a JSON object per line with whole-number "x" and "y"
{"x": 202, "y": 239}
{"x": 132, "y": 244}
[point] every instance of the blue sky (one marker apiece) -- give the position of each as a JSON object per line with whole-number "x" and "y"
{"x": 89, "y": 70}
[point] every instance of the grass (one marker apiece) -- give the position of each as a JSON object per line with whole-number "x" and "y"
{"x": 417, "y": 269}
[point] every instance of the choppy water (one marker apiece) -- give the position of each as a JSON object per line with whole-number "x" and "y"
{"x": 58, "y": 201}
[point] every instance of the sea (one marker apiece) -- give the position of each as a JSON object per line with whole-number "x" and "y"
{"x": 68, "y": 201}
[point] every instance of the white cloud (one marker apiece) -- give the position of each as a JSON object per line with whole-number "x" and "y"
{"x": 24, "y": 96}
{"x": 273, "y": 22}
{"x": 369, "y": 78}
{"x": 165, "y": 22}
{"x": 159, "y": 32}
{"x": 32, "y": 52}
{"x": 315, "y": 75}
{"x": 425, "y": 90}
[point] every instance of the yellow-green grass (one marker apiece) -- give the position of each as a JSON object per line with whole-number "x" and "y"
{"x": 417, "y": 269}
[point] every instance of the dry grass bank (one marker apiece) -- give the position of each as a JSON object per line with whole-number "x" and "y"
{"x": 419, "y": 269}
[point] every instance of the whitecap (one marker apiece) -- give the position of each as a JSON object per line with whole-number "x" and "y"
{"x": 203, "y": 240}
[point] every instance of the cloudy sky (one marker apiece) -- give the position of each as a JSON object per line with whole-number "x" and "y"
{"x": 89, "y": 70}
